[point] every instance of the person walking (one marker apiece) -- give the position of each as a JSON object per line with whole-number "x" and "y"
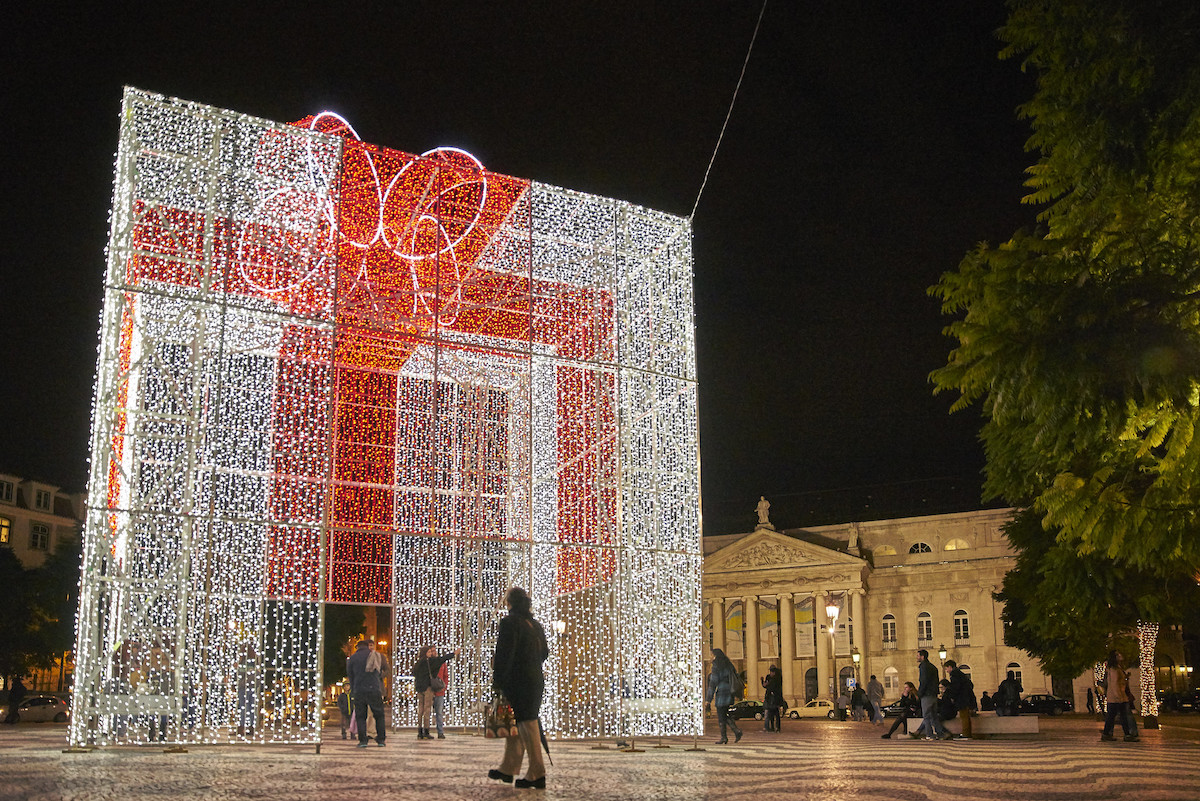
{"x": 365, "y": 669}
{"x": 1091, "y": 701}
{"x": 927, "y": 691}
{"x": 1116, "y": 682}
{"x": 723, "y": 683}
{"x": 430, "y": 685}
{"x": 517, "y": 674}
{"x": 16, "y": 694}
{"x": 962, "y": 691}
{"x": 875, "y": 698}
{"x": 910, "y": 708}
{"x": 343, "y": 705}
{"x": 772, "y": 697}
{"x": 858, "y": 703}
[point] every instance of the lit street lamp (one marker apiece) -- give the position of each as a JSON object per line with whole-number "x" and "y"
{"x": 942, "y": 652}
{"x": 831, "y": 612}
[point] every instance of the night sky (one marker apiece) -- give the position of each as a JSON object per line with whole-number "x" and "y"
{"x": 872, "y": 145}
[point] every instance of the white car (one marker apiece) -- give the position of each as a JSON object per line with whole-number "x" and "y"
{"x": 816, "y": 708}
{"x": 35, "y": 708}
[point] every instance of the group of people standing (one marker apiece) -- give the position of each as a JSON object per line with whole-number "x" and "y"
{"x": 521, "y": 649}
{"x": 936, "y": 700}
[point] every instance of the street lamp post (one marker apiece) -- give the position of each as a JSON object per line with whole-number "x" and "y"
{"x": 856, "y": 656}
{"x": 831, "y": 612}
{"x": 942, "y": 652}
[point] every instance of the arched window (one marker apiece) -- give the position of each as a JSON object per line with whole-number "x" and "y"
{"x": 891, "y": 681}
{"x": 962, "y": 628}
{"x": 920, "y": 547}
{"x": 924, "y": 630}
{"x": 965, "y": 669}
{"x": 885, "y": 550}
{"x": 1015, "y": 667}
{"x": 957, "y": 545}
{"x": 889, "y": 632}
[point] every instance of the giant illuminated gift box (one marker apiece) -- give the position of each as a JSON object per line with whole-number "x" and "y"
{"x": 331, "y": 372}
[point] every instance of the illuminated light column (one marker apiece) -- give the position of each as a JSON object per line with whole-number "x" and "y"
{"x": 787, "y": 641}
{"x": 750, "y": 623}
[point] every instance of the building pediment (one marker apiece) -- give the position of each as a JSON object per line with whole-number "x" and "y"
{"x": 770, "y": 550}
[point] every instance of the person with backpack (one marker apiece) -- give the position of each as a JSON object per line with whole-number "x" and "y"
{"x": 962, "y": 690}
{"x": 724, "y": 687}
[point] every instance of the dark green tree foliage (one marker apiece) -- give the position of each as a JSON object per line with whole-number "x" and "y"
{"x": 16, "y": 617}
{"x": 1063, "y": 608}
{"x": 1081, "y": 340}
{"x": 38, "y": 622}
{"x": 55, "y": 599}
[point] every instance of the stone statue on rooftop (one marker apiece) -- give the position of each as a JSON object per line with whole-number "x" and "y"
{"x": 763, "y": 509}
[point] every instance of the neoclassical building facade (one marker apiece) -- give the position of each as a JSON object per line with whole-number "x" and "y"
{"x": 896, "y": 586}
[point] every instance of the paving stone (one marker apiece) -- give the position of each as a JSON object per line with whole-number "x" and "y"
{"x": 824, "y": 760}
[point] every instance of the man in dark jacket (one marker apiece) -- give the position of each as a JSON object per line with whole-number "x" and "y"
{"x": 927, "y": 691}
{"x": 962, "y": 691}
{"x": 16, "y": 694}
{"x": 1008, "y": 696}
{"x": 366, "y": 669}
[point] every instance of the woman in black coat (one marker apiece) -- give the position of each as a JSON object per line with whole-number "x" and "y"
{"x": 424, "y": 671}
{"x": 517, "y": 673}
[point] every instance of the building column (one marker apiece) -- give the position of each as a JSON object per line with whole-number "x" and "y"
{"x": 750, "y": 618}
{"x": 859, "y": 638}
{"x": 824, "y": 643}
{"x": 856, "y": 616}
{"x": 787, "y": 644}
{"x": 718, "y": 618}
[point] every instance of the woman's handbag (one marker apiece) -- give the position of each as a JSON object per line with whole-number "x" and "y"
{"x": 498, "y": 718}
{"x": 435, "y": 682}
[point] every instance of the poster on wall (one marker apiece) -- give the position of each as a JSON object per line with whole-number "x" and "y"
{"x": 768, "y": 629}
{"x": 733, "y": 631}
{"x": 805, "y": 642}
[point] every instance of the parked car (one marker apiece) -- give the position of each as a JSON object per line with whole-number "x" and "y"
{"x": 40, "y": 708}
{"x": 816, "y": 708}
{"x": 747, "y": 709}
{"x": 895, "y": 709}
{"x": 1046, "y": 704}
{"x": 1187, "y": 701}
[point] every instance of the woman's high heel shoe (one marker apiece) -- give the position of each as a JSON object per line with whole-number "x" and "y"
{"x": 536, "y": 784}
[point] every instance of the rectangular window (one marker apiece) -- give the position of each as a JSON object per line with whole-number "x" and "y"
{"x": 925, "y": 629}
{"x": 962, "y": 630}
{"x": 6, "y": 492}
{"x": 39, "y": 537}
{"x": 5, "y": 531}
{"x": 889, "y": 634}
{"x": 42, "y": 499}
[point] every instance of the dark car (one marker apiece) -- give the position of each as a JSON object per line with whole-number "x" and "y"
{"x": 1188, "y": 701}
{"x": 747, "y": 709}
{"x": 895, "y": 709}
{"x": 1046, "y": 704}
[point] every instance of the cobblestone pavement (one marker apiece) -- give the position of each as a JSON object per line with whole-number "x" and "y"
{"x": 824, "y": 760}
